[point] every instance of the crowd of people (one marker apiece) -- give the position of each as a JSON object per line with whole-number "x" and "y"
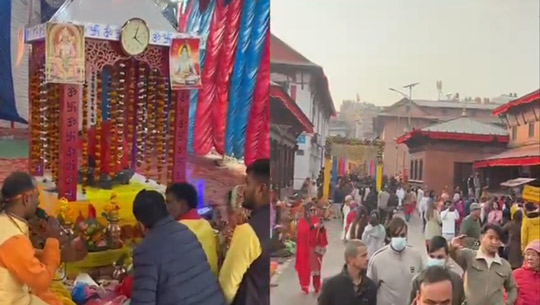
{"x": 481, "y": 250}
{"x": 177, "y": 262}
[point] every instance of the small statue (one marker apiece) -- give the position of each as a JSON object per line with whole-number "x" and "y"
{"x": 114, "y": 231}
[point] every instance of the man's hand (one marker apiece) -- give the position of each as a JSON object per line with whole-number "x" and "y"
{"x": 53, "y": 229}
{"x": 457, "y": 242}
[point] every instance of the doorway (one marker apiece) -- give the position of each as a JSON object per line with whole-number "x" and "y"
{"x": 462, "y": 171}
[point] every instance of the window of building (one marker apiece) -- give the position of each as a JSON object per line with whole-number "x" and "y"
{"x": 411, "y": 170}
{"x": 300, "y": 152}
{"x": 514, "y": 132}
{"x": 531, "y": 129}
{"x": 420, "y": 170}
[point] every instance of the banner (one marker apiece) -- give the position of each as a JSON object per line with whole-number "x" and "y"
{"x": 180, "y": 135}
{"x": 326, "y": 178}
{"x": 378, "y": 177}
{"x": 69, "y": 116}
{"x": 64, "y": 54}
{"x": 531, "y": 194}
{"x": 184, "y": 64}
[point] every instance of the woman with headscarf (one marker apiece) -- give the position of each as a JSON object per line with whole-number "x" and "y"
{"x": 311, "y": 242}
{"x": 433, "y": 222}
{"x": 410, "y": 203}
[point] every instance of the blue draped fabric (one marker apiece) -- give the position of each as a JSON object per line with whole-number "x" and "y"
{"x": 198, "y": 24}
{"x": 335, "y": 163}
{"x": 259, "y": 34}
{"x": 244, "y": 36}
{"x": 8, "y": 108}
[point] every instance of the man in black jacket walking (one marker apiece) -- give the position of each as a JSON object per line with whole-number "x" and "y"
{"x": 170, "y": 267}
{"x": 351, "y": 286}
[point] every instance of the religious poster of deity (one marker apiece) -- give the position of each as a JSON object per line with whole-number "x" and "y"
{"x": 185, "y": 69}
{"x": 64, "y": 53}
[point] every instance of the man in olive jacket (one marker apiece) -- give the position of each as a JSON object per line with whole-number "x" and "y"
{"x": 486, "y": 274}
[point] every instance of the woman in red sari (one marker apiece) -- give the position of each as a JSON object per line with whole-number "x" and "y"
{"x": 311, "y": 242}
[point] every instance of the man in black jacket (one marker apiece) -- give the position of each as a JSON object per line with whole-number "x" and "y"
{"x": 245, "y": 274}
{"x": 170, "y": 267}
{"x": 351, "y": 286}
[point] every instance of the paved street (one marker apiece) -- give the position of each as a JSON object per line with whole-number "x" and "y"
{"x": 288, "y": 290}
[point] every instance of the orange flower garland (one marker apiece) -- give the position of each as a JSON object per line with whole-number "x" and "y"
{"x": 113, "y": 119}
{"x": 34, "y": 121}
{"x": 172, "y": 114}
{"x": 151, "y": 123}
{"x": 141, "y": 98}
{"x": 131, "y": 110}
{"x": 162, "y": 120}
{"x": 46, "y": 119}
{"x": 120, "y": 114}
{"x": 99, "y": 111}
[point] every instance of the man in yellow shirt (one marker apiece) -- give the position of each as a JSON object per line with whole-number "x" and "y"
{"x": 182, "y": 201}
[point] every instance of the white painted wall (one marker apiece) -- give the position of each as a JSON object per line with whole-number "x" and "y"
{"x": 310, "y": 163}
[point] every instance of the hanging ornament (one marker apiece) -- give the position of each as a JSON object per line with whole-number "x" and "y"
{"x": 99, "y": 117}
{"x": 162, "y": 120}
{"x": 113, "y": 119}
{"x": 120, "y": 111}
{"x": 131, "y": 115}
{"x": 151, "y": 121}
{"x": 141, "y": 115}
{"x": 45, "y": 118}
{"x": 172, "y": 114}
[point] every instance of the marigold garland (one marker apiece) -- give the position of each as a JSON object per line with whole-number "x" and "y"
{"x": 151, "y": 123}
{"x": 120, "y": 111}
{"x": 161, "y": 122}
{"x": 34, "y": 122}
{"x": 99, "y": 114}
{"x": 130, "y": 123}
{"x": 46, "y": 120}
{"x": 141, "y": 115}
{"x": 113, "y": 119}
{"x": 172, "y": 119}
{"x": 55, "y": 129}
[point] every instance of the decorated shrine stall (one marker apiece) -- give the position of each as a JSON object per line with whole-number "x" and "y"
{"x": 109, "y": 110}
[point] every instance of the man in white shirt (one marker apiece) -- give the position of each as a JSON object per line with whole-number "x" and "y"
{"x": 401, "y": 195}
{"x": 419, "y": 196}
{"x": 449, "y": 218}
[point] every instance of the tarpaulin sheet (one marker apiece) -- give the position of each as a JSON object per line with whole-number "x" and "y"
{"x": 253, "y": 56}
{"x": 202, "y": 141}
{"x": 226, "y": 64}
{"x": 258, "y": 127}
{"x": 244, "y": 36}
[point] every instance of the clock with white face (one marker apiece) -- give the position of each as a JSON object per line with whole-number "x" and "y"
{"x": 135, "y": 37}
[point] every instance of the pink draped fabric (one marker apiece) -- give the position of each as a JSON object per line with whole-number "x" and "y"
{"x": 225, "y": 64}
{"x": 258, "y": 127}
{"x": 202, "y": 135}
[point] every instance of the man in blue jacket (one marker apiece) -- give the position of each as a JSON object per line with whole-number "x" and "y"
{"x": 170, "y": 267}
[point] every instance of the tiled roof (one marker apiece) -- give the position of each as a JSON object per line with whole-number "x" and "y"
{"x": 526, "y": 99}
{"x": 282, "y": 53}
{"x": 454, "y": 104}
{"x": 466, "y": 125}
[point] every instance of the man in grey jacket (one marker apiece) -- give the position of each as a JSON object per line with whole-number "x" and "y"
{"x": 393, "y": 267}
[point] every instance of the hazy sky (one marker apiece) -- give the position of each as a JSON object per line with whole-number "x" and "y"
{"x": 476, "y": 47}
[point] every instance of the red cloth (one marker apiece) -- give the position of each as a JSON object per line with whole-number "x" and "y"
{"x": 105, "y": 148}
{"x": 528, "y": 283}
{"x": 350, "y": 219}
{"x": 309, "y": 263}
{"x": 191, "y": 214}
{"x": 126, "y": 287}
{"x": 409, "y": 207}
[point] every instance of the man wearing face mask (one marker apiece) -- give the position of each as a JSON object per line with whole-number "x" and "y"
{"x": 439, "y": 256}
{"x": 245, "y": 274}
{"x": 394, "y": 266}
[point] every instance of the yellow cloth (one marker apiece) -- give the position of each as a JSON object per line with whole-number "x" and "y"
{"x": 530, "y": 231}
{"x": 513, "y": 210}
{"x": 97, "y": 259}
{"x": 208, "y": 239}
{"x": 326, "y": 178}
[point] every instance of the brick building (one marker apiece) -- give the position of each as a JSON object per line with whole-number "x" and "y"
{"x": 406, "y": 115}
{"x": 522, "y": 158}
{"x": 443, "y": 154}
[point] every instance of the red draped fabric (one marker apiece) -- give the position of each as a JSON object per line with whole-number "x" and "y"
{"x": 309, "y": 263}
{"x": 202, "y": 135}
{"x": 184, "y": 17}
{"x": 225, "y": 64}
{"x": 258, "y": 127}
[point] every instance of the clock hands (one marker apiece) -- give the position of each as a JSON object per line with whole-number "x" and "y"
{"x": 137, "y": 31}
{"x": 137, "y": 39}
